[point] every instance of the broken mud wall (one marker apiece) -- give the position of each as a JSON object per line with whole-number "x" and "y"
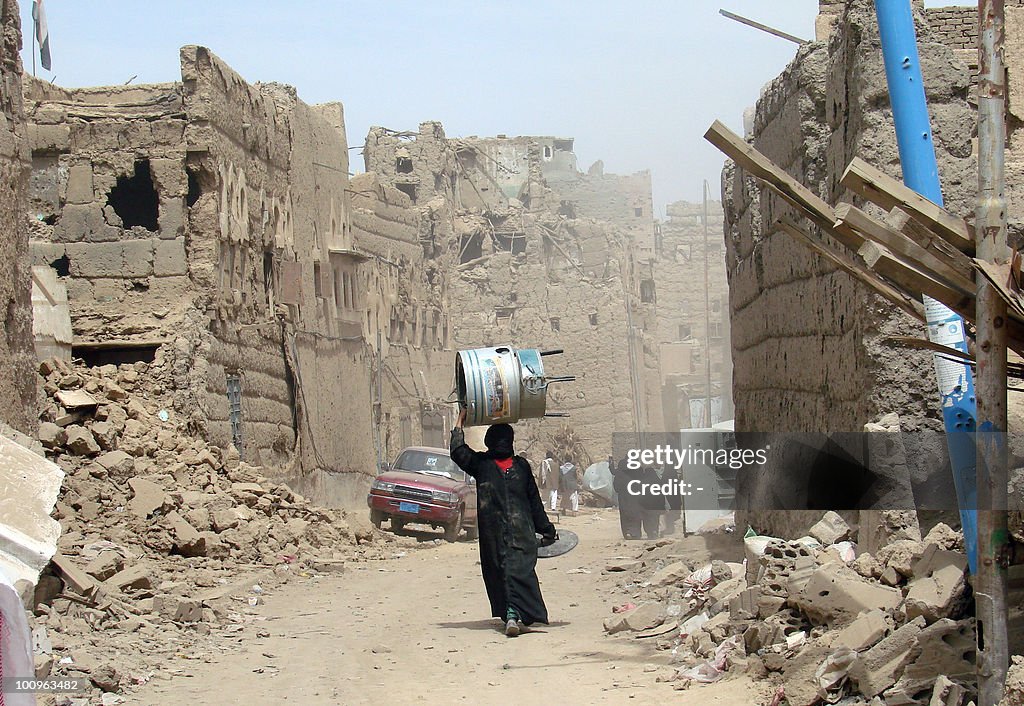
{"x": 17, "y": 359}
{"x": 684, "y": 333}
{"x": 807, "y": 341}
{"x": 211, "y": 219}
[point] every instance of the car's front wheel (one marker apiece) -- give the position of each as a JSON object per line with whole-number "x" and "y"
{"x": 472, "y": 533}
{"x": 452, "y": 529}
{"x": 376, "y": 517}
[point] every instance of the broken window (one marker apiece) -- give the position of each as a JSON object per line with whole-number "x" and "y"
{"x": 715, "y": 329}
{"x": 503, "y": 315}
{"x": 647, "y": 291}
{"x": 593, "y": 319}
{"x": 114, "y": 353}
{"x": 194, "y": 188}
{"x": 318, "y": 286}
{"x": 547, "y": 151}
{"x": 556, "y": 323}
{"x": 638, "y": 211}
{"x": 408, "y": 189}
{"x": 134, "y": 198}
{"x": 684, "y": 331}
{"x": 403, "y": 165}
{"x": 471, "y": 247}
{"x": 268, "y": 278}
{"x": 514, "y": 243}
{"x": 62, "y": 265}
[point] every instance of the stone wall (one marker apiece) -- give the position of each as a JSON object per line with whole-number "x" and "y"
{"x": 17, "y": 358}
{"x": 808, "y": 344}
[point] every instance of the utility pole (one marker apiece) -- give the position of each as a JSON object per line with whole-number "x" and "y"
{"x": 990, "y": 227}
{"x": 707, "y": 318}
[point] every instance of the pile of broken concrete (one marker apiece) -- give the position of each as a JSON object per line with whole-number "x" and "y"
{"x": 824, "y": 624}
{"x": 165, "y": 538}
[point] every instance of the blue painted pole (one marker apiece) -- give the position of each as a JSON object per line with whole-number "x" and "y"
{"x": 921, "y": 173}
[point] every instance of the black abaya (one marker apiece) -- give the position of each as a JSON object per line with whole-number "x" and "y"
{"x": 510, "y": 514}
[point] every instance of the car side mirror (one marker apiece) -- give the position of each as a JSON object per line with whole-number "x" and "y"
{"x": 385, "y": 467}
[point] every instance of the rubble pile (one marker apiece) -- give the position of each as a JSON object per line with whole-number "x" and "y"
{"x": 165, "y": 537}
{"x": 824, "y": 624}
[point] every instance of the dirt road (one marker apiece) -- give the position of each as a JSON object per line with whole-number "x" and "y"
{"x": 415, "y": 629}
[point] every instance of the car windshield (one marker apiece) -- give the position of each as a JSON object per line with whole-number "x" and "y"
{"x": 431, "y": 463}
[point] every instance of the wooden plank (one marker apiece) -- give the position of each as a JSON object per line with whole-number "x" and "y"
{"x": 910, "y": 279}
{"x": 909, "y": 226}
{"x": 758, "y": 165}
{"x": 849, "y": 216}
{"x": 854, "y": 269}
{"x": 880, "y": 188}
{"x": 999, "y": 276}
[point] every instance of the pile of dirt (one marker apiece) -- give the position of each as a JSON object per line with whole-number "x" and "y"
{"x": 166, "y": 538}
{"x": 822, "y": 622}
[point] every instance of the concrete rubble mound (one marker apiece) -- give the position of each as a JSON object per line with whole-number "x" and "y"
{"x": 819, "y": 622}
{"x": 165, "y": 538}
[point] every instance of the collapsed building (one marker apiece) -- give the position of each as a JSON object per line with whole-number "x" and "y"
{"x": 542, "y": 255}
{"x": 17, "y": 388}
{"x": 215, "y": 220}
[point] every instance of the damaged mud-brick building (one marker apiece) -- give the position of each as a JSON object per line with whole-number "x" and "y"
{"x": 209, "y": 226}
{"x": 692, "y": 331}
{"x": 543, "y": 256}
{"x": 17, "y": 358}
{"x": 811, "y": 346}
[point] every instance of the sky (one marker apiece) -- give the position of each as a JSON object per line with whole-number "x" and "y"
{"x": 636, "y": 83}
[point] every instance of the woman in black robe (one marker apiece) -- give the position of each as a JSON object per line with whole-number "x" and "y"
{"x": 630, "y": 511}
{"x": 510, "y": 514}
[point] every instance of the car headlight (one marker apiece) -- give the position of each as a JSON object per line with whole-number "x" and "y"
{"x": 444, "y": 496}
{"x": 383, "y": 486}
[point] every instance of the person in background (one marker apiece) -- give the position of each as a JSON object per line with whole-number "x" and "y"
{"x": 674, "y": 502}
{"x": 653, "y": 506}
{"x": 570, "y": 485}
{"x": 549, "y": 480}
{"x": 630, "y": 512}
{"x": 510, "y": 515}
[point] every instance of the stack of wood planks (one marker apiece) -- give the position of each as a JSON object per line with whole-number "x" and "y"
{"x": 918, "y": 249}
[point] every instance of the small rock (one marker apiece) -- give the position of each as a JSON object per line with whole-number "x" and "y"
{"x": 80, "y": 441}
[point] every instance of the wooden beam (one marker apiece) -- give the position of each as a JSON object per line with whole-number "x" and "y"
{"x": 849, "y": 216}
{"x": 999, "y": 276}
{"x": 910, "y": 279}
{"x": 909, "y": 226}
{"x": 852, "y": 268}
{"x": 758, "y": 165}
{"x": 880, "y": 188}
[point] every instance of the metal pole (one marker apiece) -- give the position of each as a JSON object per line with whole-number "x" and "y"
{"x": 990, "y": 221}
{"x": 920, "y": 172}
{"x": 707, "y": 318}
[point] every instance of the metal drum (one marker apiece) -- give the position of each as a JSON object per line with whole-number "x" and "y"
{"x": 502, "y": 384}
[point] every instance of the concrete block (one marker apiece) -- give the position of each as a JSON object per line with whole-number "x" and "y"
{"x": 136, "y": 576}
{"x": 830, "y": 529}
{"x": 118, "y": 464}
{"x": 933, "y": 559}
{"x": 936, "y": 596}
{"x": 80, "y": 187}
{"x": 178, "y": 609}
{"x": 947, "y": 648}
{"x": 80, "y": 441}
{"x": 81, "y": 222}
{"x": 138, "y": 257}
{"x": 744, "y": 605}
{"x": 49, "y": 138}
{"x": 149, "y": 497}
{"x": 105, "y": 565}
{"x": 864, "y": 632}
{"x": 169, "y": 258}
{"x": 879, "y": 667}
{"x": 642, "y": 617}
{"x": 169, "y": 176}
{"x": 836, "y": 594}
{"x": 172, "y": 217}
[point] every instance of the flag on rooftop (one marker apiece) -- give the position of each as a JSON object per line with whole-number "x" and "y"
{"x": 42, "y": 33}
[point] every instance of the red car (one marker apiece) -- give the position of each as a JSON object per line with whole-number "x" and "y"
{"x": 424, "y": 486}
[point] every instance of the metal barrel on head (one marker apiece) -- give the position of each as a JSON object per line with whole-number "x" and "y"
{"x": 504, "y": 384}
